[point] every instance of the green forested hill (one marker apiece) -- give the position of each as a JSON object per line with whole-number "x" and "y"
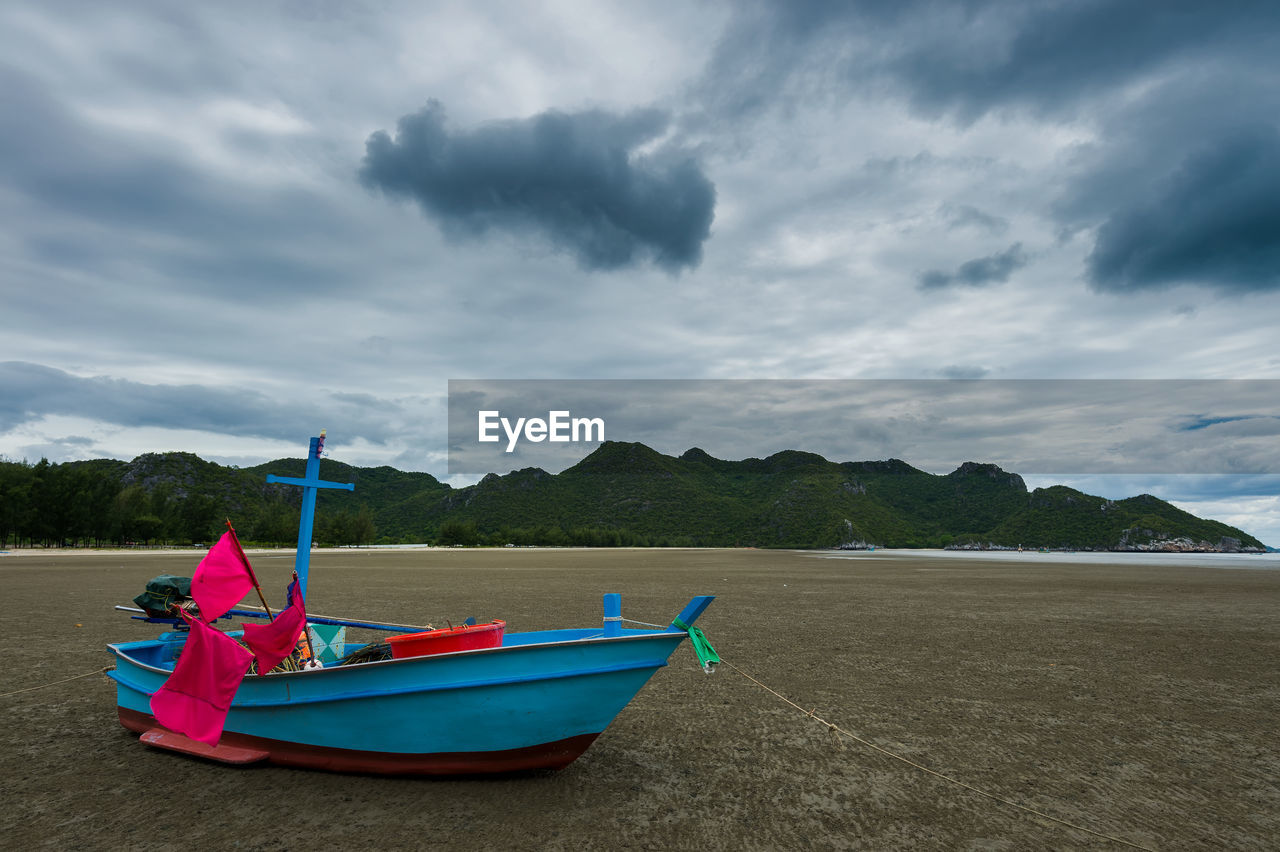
{"x": 795, "y": 499}
{"x": 623, "y": 493}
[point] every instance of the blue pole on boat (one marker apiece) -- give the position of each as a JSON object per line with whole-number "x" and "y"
{"x": 613, "y": 614}
{"x": 309, "y": 484}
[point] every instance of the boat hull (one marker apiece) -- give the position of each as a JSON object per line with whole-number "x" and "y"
{"x": 545, "y": 756}
{"x": 536, "y": 702}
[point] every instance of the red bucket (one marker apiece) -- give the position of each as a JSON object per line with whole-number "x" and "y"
{"x": 464, "y": 637}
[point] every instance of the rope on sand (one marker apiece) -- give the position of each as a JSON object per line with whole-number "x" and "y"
{"x": 56, "y": 682}
{"x": 837, "y": 732}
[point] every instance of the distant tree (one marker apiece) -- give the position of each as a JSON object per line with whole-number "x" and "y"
{"x": 277, "y": 523}
{"x": 363, "y": 530}
{"x": 43, "y": 515}
{"x": 129, "y": 504}
{"x": 196, "y": 519}
{"x": 15, "y": 501}
{"x": 147, "y": 528}
{"x": 458, "y": 532}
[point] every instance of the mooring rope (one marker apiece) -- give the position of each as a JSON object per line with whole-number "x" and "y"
{"x": 56, "y": 682}
{"x": 644, "y": 623}
{"x": 837, "y": 731}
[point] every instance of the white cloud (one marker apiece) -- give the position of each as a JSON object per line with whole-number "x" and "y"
{"x": 1258, "y": 516}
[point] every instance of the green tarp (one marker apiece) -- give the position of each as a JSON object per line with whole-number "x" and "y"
{"x": 163, "y": 591}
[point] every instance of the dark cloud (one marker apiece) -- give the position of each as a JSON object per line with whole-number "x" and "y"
{"x": 1215, "y": 220}
{"x": 968, "y": 216}
{"x": 1178, "y": 186}
{"x": 579, "y": 179}
{"x": 979, "y": 272}
{"x": 31, "y": 391}
{"x": 966, "y": 58}
{"x": 1047, "y": 56}
{"x": 1157, "y": 82}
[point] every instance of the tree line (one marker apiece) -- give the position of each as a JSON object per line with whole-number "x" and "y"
{"x": 468, "y": 534}
{"x": 86, "y": 504}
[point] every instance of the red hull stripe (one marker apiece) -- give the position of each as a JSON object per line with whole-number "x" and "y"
{"x": 555, "y": 755}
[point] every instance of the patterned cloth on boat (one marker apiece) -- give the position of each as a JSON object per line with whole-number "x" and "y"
{"x": 329, "y": 641}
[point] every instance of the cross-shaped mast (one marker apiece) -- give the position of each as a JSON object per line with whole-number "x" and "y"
{"x": 309, "y": 483}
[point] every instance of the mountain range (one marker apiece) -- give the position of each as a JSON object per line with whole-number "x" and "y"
{"x": 620, "y": 494}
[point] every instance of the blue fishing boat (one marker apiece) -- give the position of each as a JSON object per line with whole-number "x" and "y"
{"x": 537, "y": 700}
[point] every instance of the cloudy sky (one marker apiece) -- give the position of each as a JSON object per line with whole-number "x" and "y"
{"x": 229, "y": 225}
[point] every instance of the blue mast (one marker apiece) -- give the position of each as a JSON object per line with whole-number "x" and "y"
{"x": 309, "y": 483}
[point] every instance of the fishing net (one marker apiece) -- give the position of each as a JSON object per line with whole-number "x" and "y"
{"x": 291, "y": 663}
{"x": 162, "y": 592}
{"x": 371, "y": 653}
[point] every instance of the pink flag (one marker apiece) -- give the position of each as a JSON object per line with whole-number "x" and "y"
{"x": 272, "y": 642}
{"x": 196, "y": 697}
{"x": 221, "y": 579}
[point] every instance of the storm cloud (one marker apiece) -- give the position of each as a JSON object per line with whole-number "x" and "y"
{"x": 1049, "y": 56}
{"x": 979, "y": 272}
{"x": 1215, "y": 220}
{"x": 1175, "y": 101}
{"x": 30, "y": 391}
{"x": 968, "y": 58}
{"x": 580, "y": 180}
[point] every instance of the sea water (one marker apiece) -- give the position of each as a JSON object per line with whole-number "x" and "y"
{"x": 1242, "y": 561}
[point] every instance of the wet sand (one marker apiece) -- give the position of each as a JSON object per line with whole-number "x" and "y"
{"x": 1138, "y": 700}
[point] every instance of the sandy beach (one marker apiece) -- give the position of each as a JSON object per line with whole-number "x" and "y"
{"x": 1136, "y": 698}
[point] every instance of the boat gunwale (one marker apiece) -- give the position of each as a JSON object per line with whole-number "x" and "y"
{"x": 630, "y": 636}
{"x": 421, "y": 688}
